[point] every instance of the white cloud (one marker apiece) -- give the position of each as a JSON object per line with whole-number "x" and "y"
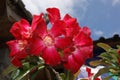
{"x": 37, "y": 6}
{"x": 98, "y": 32}
{"x": 65, "y": 6}
{"x": 114, "y": 2}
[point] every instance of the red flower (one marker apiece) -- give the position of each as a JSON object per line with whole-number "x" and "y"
{"x": 21, "y": 29}
{"x": 80, "y": 50}
{"x": 47, "y": 42}
{"x": 18, "y": 51}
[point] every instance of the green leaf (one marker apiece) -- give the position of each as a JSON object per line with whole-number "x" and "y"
{"x": 8, "y": 70}
{"x": 95, "y": 63}
{"x": 100, "y": 72}
{"x": 118, "y": 46}
{"x": 15, "y": 74}
{"x": 24, "y": 72}
{"x": 26, "y": 65}
{"x": 114, "y": 57}
{"x": 62, "y": 75}
{"x": 104, "y": 46}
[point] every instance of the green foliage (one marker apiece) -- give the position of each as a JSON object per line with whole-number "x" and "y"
{"x": 110, "y": 58}
{"x": 30, "y": 65}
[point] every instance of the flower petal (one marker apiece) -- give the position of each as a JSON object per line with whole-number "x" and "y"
{"x": 53, "y": 14}
{"x": 14, "y": 47}
{"x": 72, "y": 26}
{"x": 16, "y": 62}
{"x": 62, "y": 43}
{"x": 36, "y": 47}
{"x": 21, "y": 29}
{"x": 36, "y": 20}
{"x": 72, "y": 65}
{"x": 51, "y": 56}
{"x": 58, "y": 28}
{"x": 79, "y": 56}
{"x": 82, "y": 39}
{"x": 86, "y": 30}
{"x": 41, "y": 29}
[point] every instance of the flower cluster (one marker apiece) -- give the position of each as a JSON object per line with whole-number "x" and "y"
{"x": 65, "y": 42}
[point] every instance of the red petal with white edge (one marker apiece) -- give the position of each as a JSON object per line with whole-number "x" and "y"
{"x": 21, "y": 29}
{"x": 51, "y": 56}
{"x": 58, "y": 28}
{"x": 36, "y": 47}
{"x": 14, "y": 47}
{"x": 72, "y": 65}
{"x": 61, "y": 42}
{"x": 41, "y": 29}
{"x": 82, "y": 39}
{"x": 53, "y": 14}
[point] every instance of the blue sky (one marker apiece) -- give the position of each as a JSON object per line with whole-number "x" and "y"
{"x": 101, "y": 16}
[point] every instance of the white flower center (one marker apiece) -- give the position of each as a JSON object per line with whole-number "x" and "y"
{"x": 48, "y": 41}
{"x": 22, "y": 44}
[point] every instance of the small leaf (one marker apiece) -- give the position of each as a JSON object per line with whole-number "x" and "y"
{"x": 95, "y": 63}
{"x": 100, "y": 72}
{"x": 104, "y": 46}
{"x": 118, "y": 46}
{"x": 15, "y": 74}
{"x": 9, "y": 69}
{"x": 62, "y": 75}
{"x": 24, "y": 73}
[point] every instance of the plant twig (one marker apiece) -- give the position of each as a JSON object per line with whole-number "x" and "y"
{"x": 54, "y": 72}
